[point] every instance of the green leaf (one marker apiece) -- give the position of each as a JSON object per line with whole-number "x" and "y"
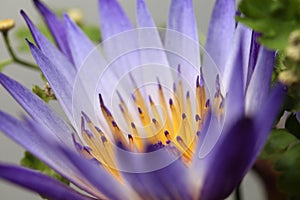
{"x": 92, "y": 32}
{"x": 277, "y": 144}
{"x": 288, "y": 166}
{"x": 32, "y": 162}
{"x": 23, "y": 32}
{"x": 274, "y": 19}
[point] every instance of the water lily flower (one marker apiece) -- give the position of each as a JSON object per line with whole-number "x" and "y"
{"x": 144, "y": 121}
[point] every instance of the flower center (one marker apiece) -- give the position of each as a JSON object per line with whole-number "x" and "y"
{"x": 176, "y": 129}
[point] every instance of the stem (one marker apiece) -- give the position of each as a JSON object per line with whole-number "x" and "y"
{"x": 5, "y": 62}
{"x": 238, "y": 193}
{"x": 13, "y": 55}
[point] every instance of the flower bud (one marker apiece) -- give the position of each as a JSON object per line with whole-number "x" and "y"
{"x": 6, "y": 24}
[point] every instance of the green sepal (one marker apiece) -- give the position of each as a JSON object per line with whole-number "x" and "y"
{"x": 92, "y": 32}
{"x": 23, "y": 32}
{"x": 41, "y": 93}
{"x": 32, "y": 162}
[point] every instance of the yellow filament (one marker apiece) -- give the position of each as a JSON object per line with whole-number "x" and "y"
{"x": 180, "y": 96}
{"x": 160, "y": 136}
{"x": 126, "y": 114}
{"x": 118, "y": 135}
{"x": 162, "y": 102}
{"x": 132, "y": 146}
{"x": 200, "y": 99}
{"x": 140, "y": 103}
{"x": 175, "y": 117}
{"x": 189, "y": 111}
{"x": 101, "y": 154}
{"x": 187, "y": 152}
{"x": 137, "y": 138}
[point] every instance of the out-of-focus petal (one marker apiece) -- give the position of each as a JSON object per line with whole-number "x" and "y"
{"x": 182, "y": 36}
{"x": 254, "y": 50}
{"x": 113, "y": 20}
{"x": 61, "y": 86}
{"x": 144, "y": 18}
{"x": 57, "y": 58}
{"x": 222, "y": 174}
{"x": 182, "y": 18}
{"x": 265, "y": 117}
{"x": 259, "y": 86}
{"x": 239, "y": 55}
{"x": 155, "y": 175}
{"x": 41, "y": 143}
{"x": 234, "y": 83}
{"x": 149, "y": 40}
{"x": 80, "y": 45}
{"x": 40, "y": 183}
{"x": 56, "y": 26}
{"x": 116, "y": 29}
{"x": 97, "y": 176}
{"x": 38, "y": 110}
{"x": 242, "y": 142}
{"x": 298, "y": 116}
{"x": 221, "y": 32}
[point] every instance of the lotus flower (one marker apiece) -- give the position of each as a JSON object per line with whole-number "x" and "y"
{"x": 147, "y": 118}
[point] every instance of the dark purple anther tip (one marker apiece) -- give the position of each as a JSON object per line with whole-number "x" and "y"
{"x": 132, "y": 125}
{"x": 101, "y": 100}
{"x": 86, "y": 117}
{"x": 207, "y": 103}
{"x": 103, "y": 138}
{"x": 197, "y": 117}
{"x": 140, "y": 110}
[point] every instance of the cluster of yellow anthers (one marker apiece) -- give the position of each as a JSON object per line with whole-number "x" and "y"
{"x": 178, "y": 131}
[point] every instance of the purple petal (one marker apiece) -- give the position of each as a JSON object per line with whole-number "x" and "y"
{"x": 41, "y": 143}
{"x": 38, "y": 110}
{"x": 98, "y": 177}
{"x": 223, "y": 173}
{"x": 152, "y": 174}
{"x": 144, "y": 18}
{"x": 221, "y": 32}
{"x": 242, "y": 143}
{"x": 80, "y": 45}
{"x": 57, "y": 58}
{"x": 182, "y": 37}
{"x": 39, "y": 183}
{"x": 61, "y": 86}
{"x": 238, "y": 56}
{"x": 113, "y": 20}
{"x": 298, "y": 116}
{"x": 234, "y": 82}
{"x": 182, "y": 18}
{"x": 259, "y": 86}
{"x": 254, "y": 50}
{"x": 265, "y": 117}
{"x": 149, "y": 37}
{"x": 56, "y": 26}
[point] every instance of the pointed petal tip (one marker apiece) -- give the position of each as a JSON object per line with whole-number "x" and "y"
{"x": 22, "y": 12}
